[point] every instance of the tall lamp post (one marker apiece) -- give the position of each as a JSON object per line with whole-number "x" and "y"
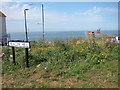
{"x": 26, "y": 24}
{"x": 26, "y": 50}
{"x": 43, "y": 22}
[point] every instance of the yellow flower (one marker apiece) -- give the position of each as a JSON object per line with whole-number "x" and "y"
{"x": 78, "y": 42}
{"x": 82, "y": 49}
{"x": 98, "y": 55}
{"x": 98, "y": 61}
{"x": 95, "y": 54}
{"x": 106, "y": 56}
{"x": 103, "y": 55}
{"x": 51, "y": 47}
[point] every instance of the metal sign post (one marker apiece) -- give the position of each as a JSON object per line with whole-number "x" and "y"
{"x": 27, "y": 62}
{"x": 26, "y": 50}
{"x": 22, "y": 44}
{"x": 13, "y": 52}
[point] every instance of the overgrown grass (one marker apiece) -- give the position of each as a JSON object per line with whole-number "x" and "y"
{"x": 77, "y": 62}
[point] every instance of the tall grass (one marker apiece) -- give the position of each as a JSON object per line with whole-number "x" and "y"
{"x": 68, "y": 58}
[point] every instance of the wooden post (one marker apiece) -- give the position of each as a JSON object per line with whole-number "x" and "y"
{"x": 13, "y": 52}
{"x": 27, "y": 62}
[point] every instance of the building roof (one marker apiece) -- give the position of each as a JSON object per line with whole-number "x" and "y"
{"x": 2, "y": 15}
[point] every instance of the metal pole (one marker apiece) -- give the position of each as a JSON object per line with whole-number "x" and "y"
{"x": 43, "y": 22}
{"x": 25, "y": 24}
{"x": 27, "y": 62}
{"x": 26, "y": 50}
{"x": 13, "y": 52}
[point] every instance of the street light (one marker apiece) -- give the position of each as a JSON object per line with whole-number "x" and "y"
{"x": 26, "y": 49}
{"x": 43, "y": 23}
{"x": 26, "y": 24}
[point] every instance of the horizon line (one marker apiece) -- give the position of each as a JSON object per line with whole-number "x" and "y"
{"x": 62, "y": 31}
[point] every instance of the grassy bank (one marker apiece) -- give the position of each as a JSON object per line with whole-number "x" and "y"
{"x": 74, "y": 63}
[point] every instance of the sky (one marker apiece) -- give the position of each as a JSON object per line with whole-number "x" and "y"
{"x": 62, "y": 0}
{"x": 61, "y": 16}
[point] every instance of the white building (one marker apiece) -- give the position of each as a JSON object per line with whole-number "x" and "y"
{"x": 3, "y": 33}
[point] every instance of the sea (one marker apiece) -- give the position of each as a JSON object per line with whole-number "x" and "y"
{"x": 52, "y": 35}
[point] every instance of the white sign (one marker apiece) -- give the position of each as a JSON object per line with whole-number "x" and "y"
{"x": 117, "y": 39}
{"x": 19, "y": 44}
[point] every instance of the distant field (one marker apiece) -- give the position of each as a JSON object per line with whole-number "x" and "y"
{"x": 74, "y": 63}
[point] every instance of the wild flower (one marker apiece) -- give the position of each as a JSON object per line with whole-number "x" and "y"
{"x": 106, "y": 56}
{"x": 33, "y": 46}
{"x": 86, "y": 41}
{"x": 95, "y": 54}
{"x": 46, "y": 44}
{"x": 49, "y": 42}
{"x": 11, "y": 56}
{"x": 82, "y": 49}
{"x": 93, "y": 42}
{"x": 2, "y": 55}
{"x": 78, "y": 42}
{"x": 103, "y": 55}
{"x": 68, "y": 42}
{"x": 98, "y": 61}
{"x": 38, "y": 65}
